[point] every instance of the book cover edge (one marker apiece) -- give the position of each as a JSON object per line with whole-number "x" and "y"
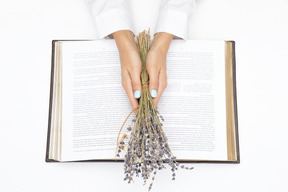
{"x": 50, "y": 102}
{"x": 235, "y": 101}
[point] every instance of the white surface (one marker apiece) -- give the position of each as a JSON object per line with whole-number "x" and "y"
{"x": 260, "y": 30}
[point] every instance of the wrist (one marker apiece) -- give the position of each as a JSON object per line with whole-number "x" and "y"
{"x": 161, "y": 42}
{"x": 124, "y": 40}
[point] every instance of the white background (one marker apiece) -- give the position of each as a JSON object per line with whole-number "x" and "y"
{"x": 260, "y": 30}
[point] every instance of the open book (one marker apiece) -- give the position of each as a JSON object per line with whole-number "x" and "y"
{"x": 88, "y": 104}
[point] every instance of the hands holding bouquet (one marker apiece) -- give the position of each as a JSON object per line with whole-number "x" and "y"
{"x": 131, "y": 65}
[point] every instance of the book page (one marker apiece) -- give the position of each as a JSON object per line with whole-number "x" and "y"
{"x": 95, "y": 104}
{"x": 193, "y": 104}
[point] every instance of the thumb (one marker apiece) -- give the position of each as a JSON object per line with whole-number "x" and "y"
{"x": 136, "y": 84}
{"x": 153, "y": 83}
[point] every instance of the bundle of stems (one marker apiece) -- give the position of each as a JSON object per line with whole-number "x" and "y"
{"x": 147, "y": 149}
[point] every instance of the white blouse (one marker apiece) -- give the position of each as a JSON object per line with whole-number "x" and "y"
{"x": 113, "y": 15}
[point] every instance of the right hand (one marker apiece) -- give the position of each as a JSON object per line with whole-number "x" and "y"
{"x": 130, "y": 65}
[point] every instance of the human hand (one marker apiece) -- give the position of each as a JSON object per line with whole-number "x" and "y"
{"x": 156, "y": 64}
{"x": 130, "y": 65}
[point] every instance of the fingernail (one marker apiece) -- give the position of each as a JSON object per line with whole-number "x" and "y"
{"x": 153, "y": 93}
{"x": 137, "y": 94}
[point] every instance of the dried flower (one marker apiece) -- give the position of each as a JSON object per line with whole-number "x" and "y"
{"x": 147, "y": 149}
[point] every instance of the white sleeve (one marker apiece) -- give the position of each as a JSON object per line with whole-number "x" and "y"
{"x": 110, "y": 16}
{"x": 173, "y": 17}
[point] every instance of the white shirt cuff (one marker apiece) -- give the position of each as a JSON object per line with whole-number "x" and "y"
{"x": 111, "y": 21}
{"x": 173, "y": 17}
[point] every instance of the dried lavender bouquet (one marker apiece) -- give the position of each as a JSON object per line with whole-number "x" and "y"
{"x": 147, "y": 149}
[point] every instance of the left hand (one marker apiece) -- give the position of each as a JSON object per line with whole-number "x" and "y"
{"x": 156, "y": 64}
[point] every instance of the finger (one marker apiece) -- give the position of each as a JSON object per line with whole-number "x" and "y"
{"x": 162, "y": 85}
{"x": 136, "y": 83}
{"x": 127, "y": 85}
{"x": 153, "y": 82}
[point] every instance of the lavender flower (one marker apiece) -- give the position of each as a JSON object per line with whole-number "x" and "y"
{"x": 147, "y": 149}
